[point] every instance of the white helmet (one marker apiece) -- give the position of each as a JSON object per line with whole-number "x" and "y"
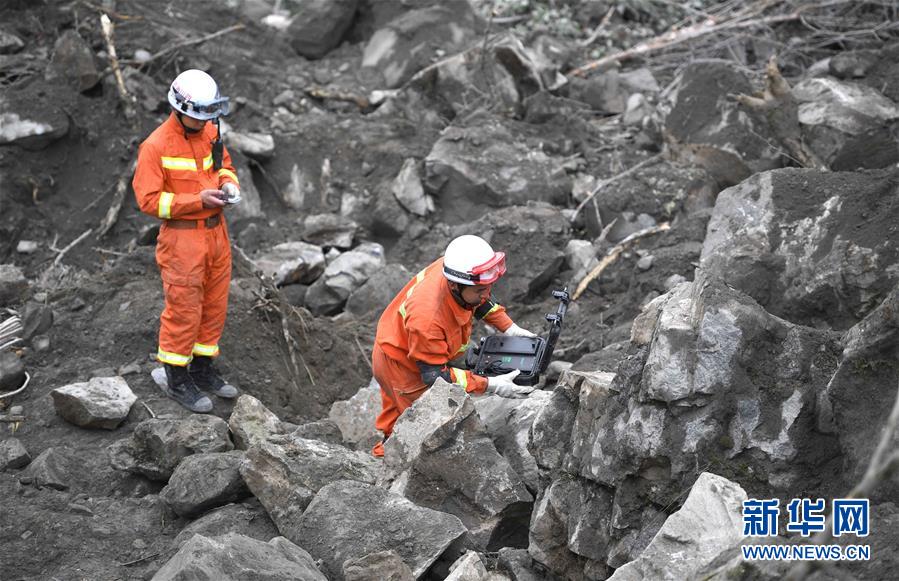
{"x": 470, "y": 260}
{"x": 196, "y": 94}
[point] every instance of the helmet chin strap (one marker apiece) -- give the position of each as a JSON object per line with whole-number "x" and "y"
{"x": 187, "y": 130}
{"x": 456, "y": 291}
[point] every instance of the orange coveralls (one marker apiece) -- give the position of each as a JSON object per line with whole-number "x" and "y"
{"x": 194, "y": 260}
{"x": 423, "y": 323}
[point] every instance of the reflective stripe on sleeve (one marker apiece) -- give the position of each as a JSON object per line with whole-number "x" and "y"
{"x": 227, "y": 173}
{"x": 165, "y": 205}
{"x": 173, "y": 358}
{"x": 207, "y": 350}
{"x": 207, "y": 162}
{"x": 182, "y": 163}
{"x": 459, "y": 377}
{"x": 495, "y": 308}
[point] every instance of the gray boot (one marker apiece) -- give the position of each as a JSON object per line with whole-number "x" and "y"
{"x": 207, "y": 378}
{"x": 181, "y": 388}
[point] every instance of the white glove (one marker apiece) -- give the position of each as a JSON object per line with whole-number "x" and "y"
{"x": 233, "y": 193}
{"x": 503, "y": 386}
{"x": 516, "y": 331}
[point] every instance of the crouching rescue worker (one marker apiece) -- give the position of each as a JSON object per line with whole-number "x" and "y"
{"x": 185, "y": 178}
{"x": 428, "y": 324}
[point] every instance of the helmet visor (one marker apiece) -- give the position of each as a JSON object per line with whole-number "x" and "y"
{"x": 218, "y": 107}
{"x": 490, "y": 271}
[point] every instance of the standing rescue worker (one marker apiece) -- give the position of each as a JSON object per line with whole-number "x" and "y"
{"x": 428, "y": 325}
{"x": 185, "y": 178}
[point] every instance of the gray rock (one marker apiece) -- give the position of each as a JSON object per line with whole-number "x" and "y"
{"x": 73, "y": 61}
{"x": 204, "y": 481}
{"x": 639, "y": 80}
{"x": 570, "y": 527}
{"x": 408, "y": 190}
{"x": 369, "y": 300}
{"x": 645, "y": 262}
{"x": 472, "y": 170}
{"x": 259, "y": 146}
{"x": 603, "y": 92}
{"x": 468, "y": 567}
{"x": 251, "y": 422}
{"x": 292, "y": 263}
{"x": 820, "y": 237}
{"x": 285, "y": 473}
{"x": 12, "y": 371}
{"x": 508, "y": 421}
{"x": 329, "y": 230}
{"x": 102, "y": 402}
{"x": 157, "y": 445}
{"x": 250, "y": 205}
{"x": 707, "y": 128}
{"x": 443, "y": 458}
{"x": 10, "y": 43}
{"x": 551, "y": 430}
{"x": 247, "y": 518}
{"x": 51, "y": 469}
{"x": 322, "y": 430}
{"x": 636, "y": 109}
{"x": 320, "y": 26}
{"x": 349, "y": 519}
{"x": 13, "y": 454}
{"x": 345, "y": 274}
{"x": 580, "y": 256}
{"x": 708, "y": 524}
{"x": 27, "y": 247}
{"x": 29, "y": 121}
{"x": 234, "y": 556}
{"x": 409, "y": 42}
{"x": 37, "y": 319}
{"x": 383, "y": 565}
{"x": 147, "y": 91}
{"x": 356, "y": 416}
{"x": 521, "y": 567}
{"x": 13, "y": 284}
{"x": 628, "y": 223}
{"x": 847, "y": 124}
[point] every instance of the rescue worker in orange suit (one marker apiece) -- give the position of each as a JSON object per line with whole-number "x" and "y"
{"x": 185, "y": 178}
{"x": 428, "y": 325}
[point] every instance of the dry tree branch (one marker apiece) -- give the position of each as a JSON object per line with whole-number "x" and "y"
{"x": 71, "y": 245}
{"x": 612, "y": 255}
{"x": 685, "y": 34}
{"x": 612, "y": 180}
{"x": 112, "y": 214}
{"x": 107, "y": 28}
{"x": 174, "y": 47}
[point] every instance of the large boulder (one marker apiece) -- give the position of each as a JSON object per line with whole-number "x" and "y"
{"x": 13, "y": 284}
{"x": 320, "y": 25}
{"x": 369, "y": 300}
{"x": 709, "y": 374}
{"x": 329, "y": 230}
{"x": 707, "y": 127}
{"x": 285, "y": 473}
{"x": 73, "y": 62}
{"x": 383, "y": 565}
{"x": 52, "y": 469}
{"x": 348, "y": 520}
{"x": 30, "y": 120}
{"x": 251, "y": 422}
{"x": 234, "y": 556}
{"x": 488, "y": 164}
{"x": 247, "y": 518}
{"x": 158, "y": 445}
{"x": 205, "y": 481}
{"x": 102, "y": 402}
{"x": 847, "y": 123}
{"x": 442, "y": 457}
{"x": 345, "y": 274}
{"x": 808, "y": 245}
{"x": 292, "y": 263}
{"x": 13, "y": 454}
{"x": 356, "y": 416}
{"x": 407, "y": 43}
{"x": 508, "y": 421}
{"x": 708, "y": 525}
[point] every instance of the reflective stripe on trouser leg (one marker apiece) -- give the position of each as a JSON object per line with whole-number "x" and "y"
{"x": 173, "y": 358}
{"x": 206, "y": 350}
{"x": 217, "y": 284}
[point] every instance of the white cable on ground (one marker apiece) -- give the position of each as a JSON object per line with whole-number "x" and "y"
{"x": 24, "y": 385}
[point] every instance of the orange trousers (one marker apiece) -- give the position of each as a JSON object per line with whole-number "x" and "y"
{"x": 394, "y": 398}
{"x": 195, "y": 265}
